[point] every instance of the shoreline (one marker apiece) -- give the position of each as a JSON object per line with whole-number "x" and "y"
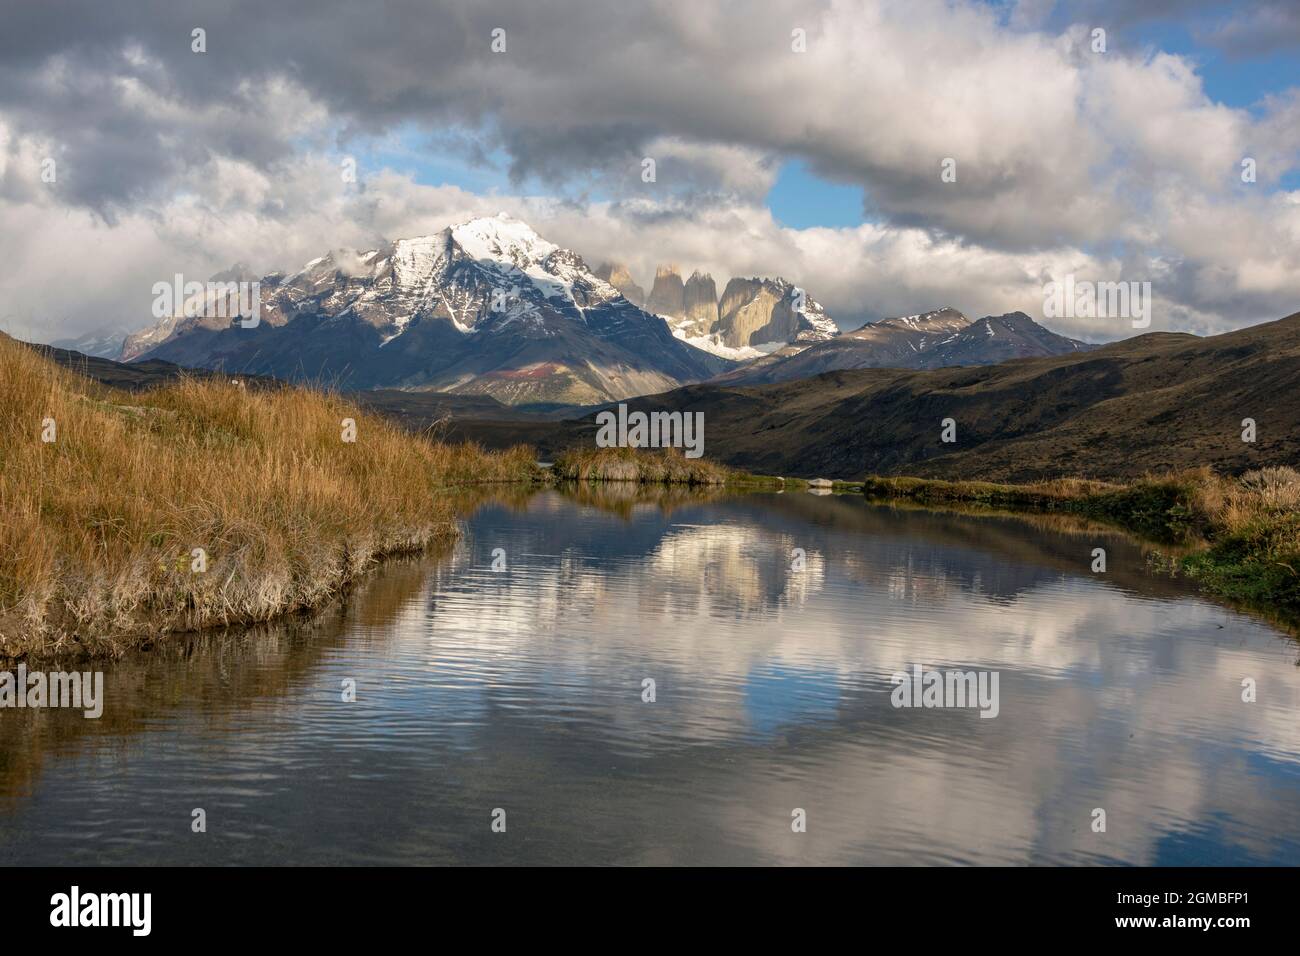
{"x": 200, "y": 504}
{"x": 1239, "y": 537}
{"x": 1162, "y": 511}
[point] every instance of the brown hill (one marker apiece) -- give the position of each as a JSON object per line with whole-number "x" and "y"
{"x": 1151, "y": 403}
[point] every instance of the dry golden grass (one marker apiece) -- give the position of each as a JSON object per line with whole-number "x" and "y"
{"x": 1256, "y": 534}
{"x": 99, "y": 525}
{"x": 1268, "y": 492}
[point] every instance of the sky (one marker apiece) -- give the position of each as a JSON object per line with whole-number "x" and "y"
{"x": 1098, "y": 139}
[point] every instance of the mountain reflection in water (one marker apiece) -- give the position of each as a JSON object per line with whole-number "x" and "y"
{"x": 521, "y": 689}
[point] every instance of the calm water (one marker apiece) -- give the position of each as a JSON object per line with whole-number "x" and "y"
{"x": 521, "y": 689}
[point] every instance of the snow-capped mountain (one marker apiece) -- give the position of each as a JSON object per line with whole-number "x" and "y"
{"x": 934, "y": 339}
{"x": 100, "y": 343}
{"x": 483, "y": 307}
{"x": 489, "y": 307}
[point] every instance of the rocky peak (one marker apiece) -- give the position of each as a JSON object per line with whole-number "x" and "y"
{"x": 617, "y": 275}
{"x": 759, "y": 311}
{"x": 668, "y": 295}
{"x": 699, "y": 305}
{"x": 501, "y": 239}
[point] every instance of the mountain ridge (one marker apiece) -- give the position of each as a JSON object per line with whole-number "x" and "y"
{"x": 485, "y": 306}
{"x": 489, "y": 307}
{"x": 936, "y": 339}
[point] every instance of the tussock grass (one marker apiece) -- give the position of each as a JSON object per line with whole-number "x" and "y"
{"x": 1255, "y": 552}
{"x": 98, "y": 527}
{"x": 668, "y": 466}
{"x": 1249, "y": 526}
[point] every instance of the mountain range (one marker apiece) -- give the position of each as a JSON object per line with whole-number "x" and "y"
{"x": 490, "y": 308}
{"x": 935, "y": 339}
{"x": 482, "y": 307}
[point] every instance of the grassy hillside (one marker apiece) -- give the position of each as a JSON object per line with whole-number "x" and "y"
{"x": 100, "y": 525}
{"x": 1155, "y": 403}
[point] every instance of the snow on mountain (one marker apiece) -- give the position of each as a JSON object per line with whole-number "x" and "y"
{"x": 490, "y": 307}
{"x": 484, "y": 306}
{"x": 100, "y": 343}
{"x": 713, "y": 343}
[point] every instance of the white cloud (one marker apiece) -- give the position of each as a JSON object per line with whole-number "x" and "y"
{"x": 1114, "y": 165}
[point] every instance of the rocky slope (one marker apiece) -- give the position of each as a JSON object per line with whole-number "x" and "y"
{"x": 756, "y": 312}
{"x": 668, "y": 294}
{"x": 699, "y": 305}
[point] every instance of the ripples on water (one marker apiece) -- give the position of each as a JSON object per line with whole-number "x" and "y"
{"x": 522, "y": 689}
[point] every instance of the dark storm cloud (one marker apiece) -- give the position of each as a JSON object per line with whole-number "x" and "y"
{"x": 1243, "y": 28}
{"x": 1120, "y": 13}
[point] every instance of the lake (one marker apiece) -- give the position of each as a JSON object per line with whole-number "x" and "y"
{"x": 504, "y": 713}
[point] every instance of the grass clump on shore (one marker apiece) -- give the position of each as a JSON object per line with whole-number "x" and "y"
{"x": 1254, "y": 555}
{"x": 1250, "y": 526}
{"x": 99, "y": 526}
{"x": 667, "y": 466}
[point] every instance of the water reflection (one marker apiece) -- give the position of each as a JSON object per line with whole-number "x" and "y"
{"x": 521, "y": 688}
